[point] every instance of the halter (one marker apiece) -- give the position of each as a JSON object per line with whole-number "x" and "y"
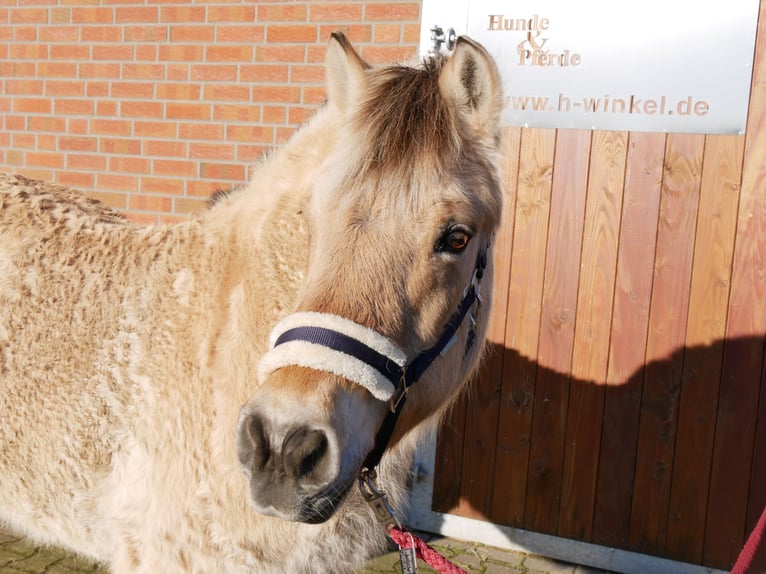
{"x": 340, "y": 346}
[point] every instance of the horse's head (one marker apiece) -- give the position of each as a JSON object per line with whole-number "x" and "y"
{"x": 401, "y": 217}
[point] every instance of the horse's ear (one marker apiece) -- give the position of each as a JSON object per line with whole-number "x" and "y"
{"x": 470, "y": 80}
{"x": 345, "y": 71}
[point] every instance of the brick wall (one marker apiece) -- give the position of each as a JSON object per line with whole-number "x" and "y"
{"x": 151, "y": 106}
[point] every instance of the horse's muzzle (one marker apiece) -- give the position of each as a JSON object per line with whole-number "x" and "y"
{"x": 294, "y": 471}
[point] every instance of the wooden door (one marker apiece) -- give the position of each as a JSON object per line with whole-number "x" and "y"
{"x": 623, "y": 401}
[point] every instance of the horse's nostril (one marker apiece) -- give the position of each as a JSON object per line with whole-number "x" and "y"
{"x": 305, "y": 455}
{"x": 254, "y": 450}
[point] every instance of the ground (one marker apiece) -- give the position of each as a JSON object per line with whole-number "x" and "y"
{"x": 17, "y": 556}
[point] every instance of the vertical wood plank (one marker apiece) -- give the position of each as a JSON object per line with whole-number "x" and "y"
{"x": 744, "y": 350}
{"x": 483, "y": 398}
{"x": 523, "y": 323}
{"x": 627, "y": 346}
{"x": 590, "y": 355}
{"x": 448, "y": 467}
{"x": 559, "y": 302}
{"x": 668, "y": 318}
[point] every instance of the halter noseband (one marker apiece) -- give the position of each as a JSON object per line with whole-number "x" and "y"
{"x": 340, "y": 346}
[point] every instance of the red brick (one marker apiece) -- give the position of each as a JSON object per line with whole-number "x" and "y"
{"x": 227, "y": 92}
{"x": 176, "y": 91}
{"x": 28, "y": 51}
{"x": 154, "y": 129}
{"x": 46, "y": 124}
{"x": 343, "y": 12}
{"x": 77, "y": 126}
{"x": 387, "y": 33}
{"x": 263, "y": 73}
{"x": 129, "y": 164}
{"x": 64, "y": 88}
{"x": 107, "y": 108}
{"x": 77, "y": 143}
{"x": 178, "y": 72}
{"x": 163, "y": 185}
{"x": 79, "y": 179}
{"x": 250, "y": 133}
{"x": 251, "y": 153}
{"x": 236, "y": 13}
{"x": 187, "y": 111}
{"x": 233, "y": 53}
{"x": 122, "y": 146}
{"x": 73, "y": 107}
{"x": 314, "y": 95}
{"x": 145, "y": 33}
{"x": 211, "y": 131}
{"x": 88, "y": 162}
{"x": 139, "y": 90}
{"x": 283, "y": 94}
{"x": 60, "y": 15}
{"x": 273, "y": 54}
{"x": 101, "y": 70}
{"x": 59, "y": 33}
{"x": 193, "y": 34}
{"x": 92, "y": 15}
{"x": 158, "y": 148}
{"x": 143, "y": 71}
{"x": 133, "y": 14}
{"x": 392, "y": 11}
{"x": 184, "y": 14}
{"x": 307, "y": 74}
{"x": 216, "y": 170}
{"x": 110, "y": 127}
{"x": 274, "y": 114}
{"x": 99, "y": 33}
{"x": 236, "y": 112}
{"x": 214, "y": 72}
{"x": 284, "y": 134}
{"x": 241, "y": 33}
{"x": 25, "y": 34}
{"x": 117, "y": 52}
{"x": 174, "y": 167}
{"x": 29, "y": 16}
{"x": 299, "y": 115}
{"x": 44, "y": 159}
{"x": 56, "y": 70}
{"x": 181, "y": 52}
{"x": 211, "y": 151}
{"x": 69, "y": 52}
{"x": 282, "y": 12}
{"x": 25, "y": 87}
{"x": 113, "y": 181}
{"x": 146, "y": 53}
{"x": 32, "y": 105}
{"x": 97, "y": 89}
{"x": 291, "y": 33}
{"x": 411, "y": 34}
{"x": 24, "y": 141}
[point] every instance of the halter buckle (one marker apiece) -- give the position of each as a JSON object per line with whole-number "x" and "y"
{"x": 400, "y": 392}
{"x": 377, "y": 499}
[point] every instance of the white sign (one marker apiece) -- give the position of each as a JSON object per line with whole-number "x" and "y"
{"x": 653, "y": 65}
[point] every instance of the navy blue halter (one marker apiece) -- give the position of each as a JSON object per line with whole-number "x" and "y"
{"x": 402, "y": 378}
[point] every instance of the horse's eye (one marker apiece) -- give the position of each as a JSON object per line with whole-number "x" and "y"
{"x": 454, "y": 241}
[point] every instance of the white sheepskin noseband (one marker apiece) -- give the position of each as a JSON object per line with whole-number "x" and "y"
{"x": 302, "y": 353}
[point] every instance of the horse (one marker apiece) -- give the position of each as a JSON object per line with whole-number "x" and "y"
{"x": 165, "y": 404}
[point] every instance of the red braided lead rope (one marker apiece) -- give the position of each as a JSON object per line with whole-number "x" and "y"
{"x": 746, "y": 562}
{"x": 424, "y": 551}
